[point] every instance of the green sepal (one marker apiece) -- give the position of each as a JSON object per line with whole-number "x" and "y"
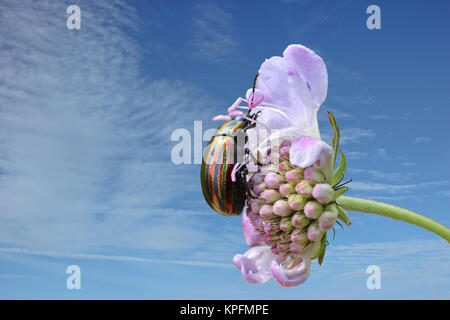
{"x": 340, "y": 172}
{"x": 343, "y": 216}
{"x": 320, "y": 252}
{"x": 340, "y": 192}
{"x": 323, "y": 248}
{"x": 336, "y": 137}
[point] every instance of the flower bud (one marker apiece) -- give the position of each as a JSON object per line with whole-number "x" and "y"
{"x": 281, "y": 208}
{"x": 284, "y": 152}
{"x": 286, "y": 189}
{"x": 284, "y": 165}
{"x": 294, "y": 175}
{"x": 271, "y": 237}
{"x": 285, "y": 143}
{"x": 286, "y": 224}
{"x": 265, "y": 169}
{"x": 256, "y": 220}
{"x": 282, "y": 246}
{"x": 328, "y": 217}
{"x": 255, "y": 206}
{"x": 285, "y": 236}
{"x": 299, "y": 237}
{"x": 259, "y": 188}
{"x": 296, "y": 202}
{"x": 256, "y": 179}
{"x": 296, "y": 248}
{"x": 313, "y": 174}
{"x": 270, "y": 227}
{"x": 266, "y": 212}
{"x": 304, "y": 188}
{"x": 284, "y": 255}
{"x": 273, "y": 180}
{"x": 270, "y": 196}
{"x": 323, "y": 193}
{"x": 313, "y": 209}
{"x": 299, "y": 220}
{"x": 314, "y": 232}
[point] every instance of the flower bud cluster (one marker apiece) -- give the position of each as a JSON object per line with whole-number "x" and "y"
{"x": 295, "y": 206}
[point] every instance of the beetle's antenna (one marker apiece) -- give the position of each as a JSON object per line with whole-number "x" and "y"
{"x": 254, "y": 83}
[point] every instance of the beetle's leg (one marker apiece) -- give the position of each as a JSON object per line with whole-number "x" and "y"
{"x": 249, "y": 191}
{"x": 249, "y": 156}
{"x": 243, "y": 171}
{"x": 251, "y": 120}
{"x": 258, "y": 160}
{"x": 256, "y": 115}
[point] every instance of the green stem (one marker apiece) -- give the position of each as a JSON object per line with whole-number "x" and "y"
{"x": 387, "y": 210}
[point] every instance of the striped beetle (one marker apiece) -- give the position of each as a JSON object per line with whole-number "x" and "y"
{"x": 220, "y": 166}
{"x": 221, "y": 154}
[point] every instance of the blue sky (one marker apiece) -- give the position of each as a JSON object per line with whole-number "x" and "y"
{"x": 86, "y": 118}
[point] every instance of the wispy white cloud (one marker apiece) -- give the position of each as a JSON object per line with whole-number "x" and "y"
{"x": 396, "y": 197}
{"x": 380, "y": 117}
{"x": 356, "y": 135}
{"x": 338, "y": 114}
{"x": 85, "y": 136}
{"x": 383, "y": 116}
{"x": 313, "y": 18}
{"x": 212, "y": 35}
{"x": 408, "y": 164}
{"x": 412, "y": 261}
{"x": 405, "y": 162}
{"x": 350, "y": 135}
{"x": 382, "y": 153}
{"x": 89, "y": 256}
{"x": 344, "y": 73}
{"x": 445, "y": 193}
{"x": 356, "y": 155}
{"x": 421, "y": 139}
{"x": 391, "y": 188}
{"x": 17, "y": 276}
{"x": 385, "y": 176}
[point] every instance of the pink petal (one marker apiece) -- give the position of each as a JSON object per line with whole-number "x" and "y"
{"x": 234, "y": 171}
{"x": 221, "y": 117}
{"x": 236, "y": 113}
{"x": 255, "y": 264}
{"x": 235, "y": 105}
{"x": 252, "y": 101}
{"x": 289, "y": 93}
{"x": 291, "y": 277}
{"x": 257, "y": 95}
{"x": 311, "y": 67}
{"x": 307, "y": 151}
{"x": 280, "y": 88}
{"x": 295, "y": 85}
{"x": 252, "y": 236}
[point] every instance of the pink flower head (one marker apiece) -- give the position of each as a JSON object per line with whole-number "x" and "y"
{"x": 282, "y": 236}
